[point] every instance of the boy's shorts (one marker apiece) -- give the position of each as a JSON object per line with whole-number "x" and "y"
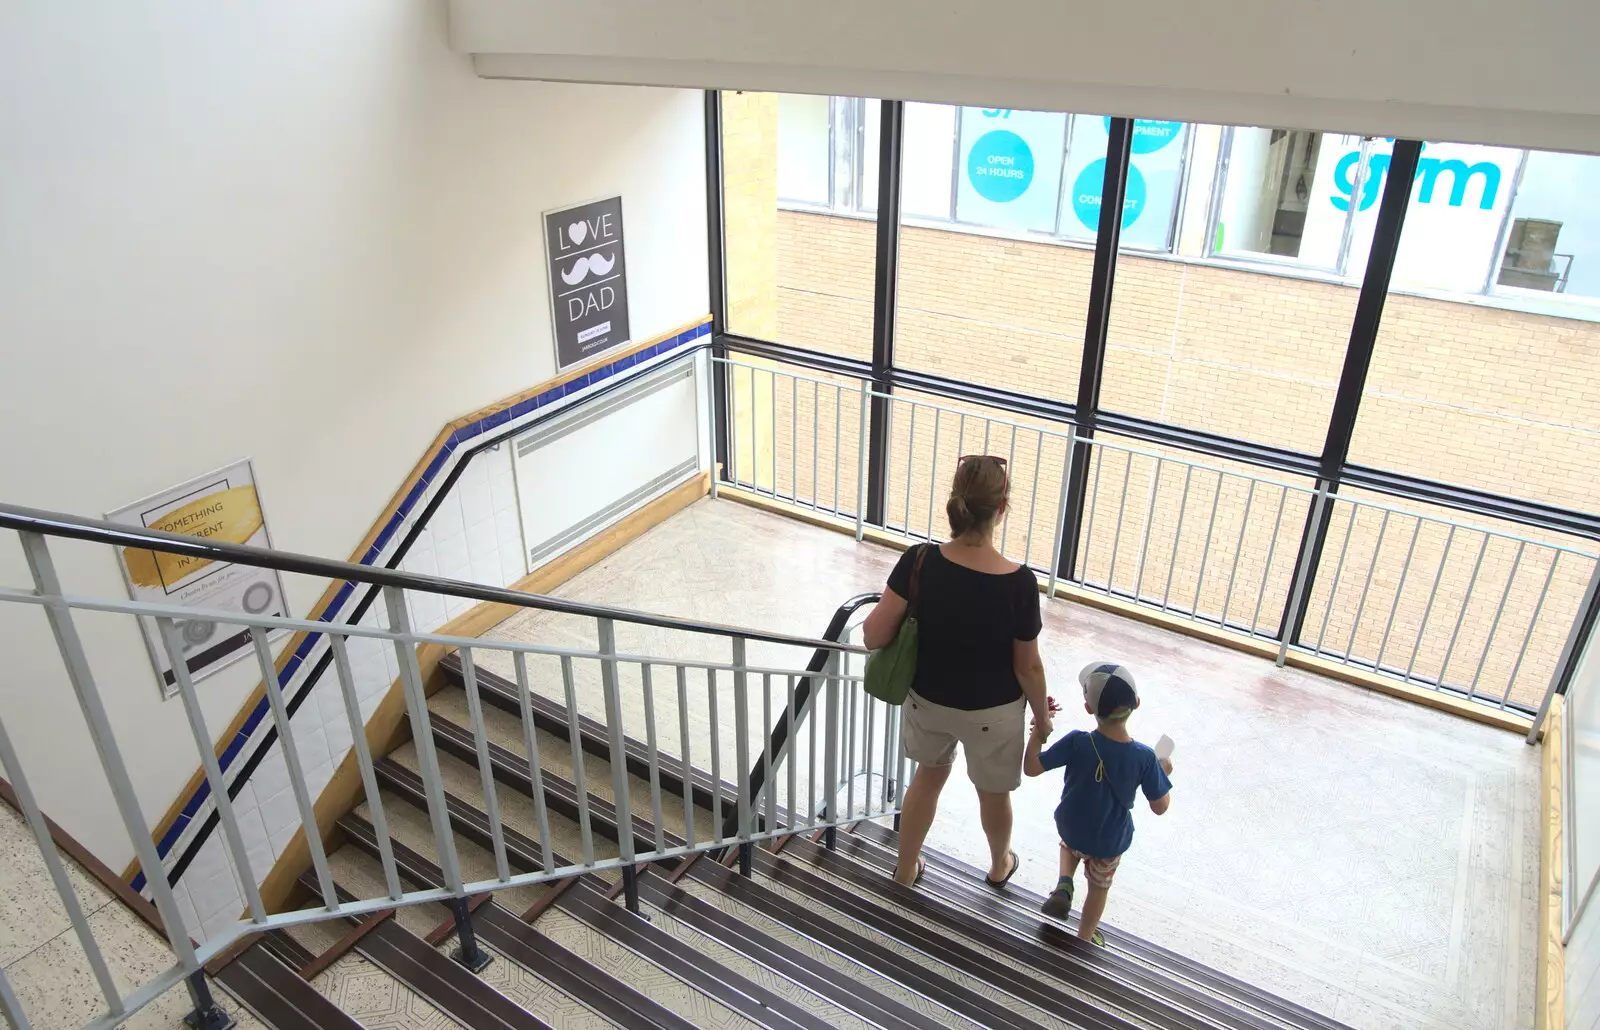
{"x": 1098, "y": 871}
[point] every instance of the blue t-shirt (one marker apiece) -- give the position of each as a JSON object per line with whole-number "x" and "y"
{"x": 1095, "y": 815}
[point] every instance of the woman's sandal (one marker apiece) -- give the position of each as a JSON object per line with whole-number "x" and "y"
{"x": 998, "y": 884}
{"x": 922, "y": 867}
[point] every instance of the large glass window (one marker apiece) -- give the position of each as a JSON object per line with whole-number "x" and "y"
{"x": 1155, "y": 181}
{"x": 1241, "y": 352}
{"x": 988, "y": 293}
{"x": 1488, "y": 396}
{"x": 798, "y": 188}
{"x": 1279, "y": 198}
{"x": 805, "y": 149}
{"x": 1552, "y": 245}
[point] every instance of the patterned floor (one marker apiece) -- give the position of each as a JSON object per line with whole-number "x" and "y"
{"x": 1370, "y": 858}
{"x": 46, "y": 964}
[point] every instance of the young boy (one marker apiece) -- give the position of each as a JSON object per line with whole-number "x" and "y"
{"x": 1104, "y": 768}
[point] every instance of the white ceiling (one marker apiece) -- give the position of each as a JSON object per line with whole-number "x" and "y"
{"x": 1518, "y": 72}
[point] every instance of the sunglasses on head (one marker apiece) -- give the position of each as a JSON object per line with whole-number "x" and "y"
{"x": 981, "y": 457}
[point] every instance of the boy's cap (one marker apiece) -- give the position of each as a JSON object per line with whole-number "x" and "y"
{"x": 1108, "y": 687}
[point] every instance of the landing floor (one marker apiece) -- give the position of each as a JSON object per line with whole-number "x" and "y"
{"x": 1367, "y": 857}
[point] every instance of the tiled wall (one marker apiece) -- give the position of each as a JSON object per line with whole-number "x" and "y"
{"x": 474, "y": 535}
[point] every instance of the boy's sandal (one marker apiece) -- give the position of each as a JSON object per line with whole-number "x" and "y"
{"x": 998, "y": 884}
{"x": 1059, "y": 904}
{"x": 1097, "y": 938}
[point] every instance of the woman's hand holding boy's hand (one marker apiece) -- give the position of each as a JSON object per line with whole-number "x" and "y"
{"x": 1042, "y": 727}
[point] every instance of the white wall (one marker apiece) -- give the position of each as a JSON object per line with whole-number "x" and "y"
{"x": 303, "y": 232}
{"x": 1431, "y": 69}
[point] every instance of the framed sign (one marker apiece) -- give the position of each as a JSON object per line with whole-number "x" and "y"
{"x": 222, "y": 507}
{"x": 588, "y": 280}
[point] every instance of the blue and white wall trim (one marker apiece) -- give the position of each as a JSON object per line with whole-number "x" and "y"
{"x": 473, "y": 533}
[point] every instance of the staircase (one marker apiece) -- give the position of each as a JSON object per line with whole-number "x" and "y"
{"x": 500, "y": 872}
{"x": 813, "y": 937}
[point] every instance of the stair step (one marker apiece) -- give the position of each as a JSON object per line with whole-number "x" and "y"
{"x": 551, "y": 715}
{"x": 588, "y": 965}
{"x": 1071, "y": 985}
{"x": 913, "y": 983}
{"x": 373, "y": 997}
{"x": 586, "y": 903}
{"x": 297, "y": 946}
{"x": 275, "y": 994}
{"x": 410, "y": 826}
{"x": 574, "y": 974}
{"x": 556, "y": 757}
{"x": 517, "y": 811}
{"x": 755, "y": 1003}
{"x": 470, "y": 784}
{"x": 1016, "y": 910}
{"x": 451, "y": 986}
{"x": 362, "y": 876}
{"x": 791, "y": 970}
{"x": 562, "y": 797}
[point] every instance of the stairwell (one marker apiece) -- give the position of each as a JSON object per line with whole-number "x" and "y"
{"x": 814, "y": 937}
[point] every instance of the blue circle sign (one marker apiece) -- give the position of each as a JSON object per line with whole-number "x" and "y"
{"x": 1086, "y": 195}
{"x": 1000, "y": 166}
{"x": 1150, "y": 136}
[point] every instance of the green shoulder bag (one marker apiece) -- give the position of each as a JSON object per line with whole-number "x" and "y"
{"x": 892, "y": 667}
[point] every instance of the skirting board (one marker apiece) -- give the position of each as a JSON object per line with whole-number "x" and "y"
{"x": 1510, "y": 721}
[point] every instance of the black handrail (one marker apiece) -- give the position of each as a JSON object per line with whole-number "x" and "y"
{"x": 802, "y": 693}
{"x": 49, "y": 523}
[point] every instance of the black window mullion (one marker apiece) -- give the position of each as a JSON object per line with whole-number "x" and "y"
{"x": 717, "y": 278}
{"x": 1353, "y": 377}
{"x": 884, "y": 299}
{"x": 1113, "y": 192}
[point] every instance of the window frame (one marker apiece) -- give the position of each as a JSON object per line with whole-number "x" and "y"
{"x": 1331, "y": 467}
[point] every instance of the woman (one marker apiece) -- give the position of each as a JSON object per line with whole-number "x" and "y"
{"x": 977, "y": 663}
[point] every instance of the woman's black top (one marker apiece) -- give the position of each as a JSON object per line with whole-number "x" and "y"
{"x": 967, "y": 622}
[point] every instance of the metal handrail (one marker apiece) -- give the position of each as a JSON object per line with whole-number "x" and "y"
{"x": 58, "y": 524}
{"x": 779, "y": 736}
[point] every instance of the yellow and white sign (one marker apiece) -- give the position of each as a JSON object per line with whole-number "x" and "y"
{"x": 222, "y": 507}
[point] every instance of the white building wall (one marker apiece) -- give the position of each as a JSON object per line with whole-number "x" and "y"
{"x": 300, "y": 232}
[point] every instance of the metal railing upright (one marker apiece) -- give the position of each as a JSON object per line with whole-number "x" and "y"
{"x": 1489, "y": 615}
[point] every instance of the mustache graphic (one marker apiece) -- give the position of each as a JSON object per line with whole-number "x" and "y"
{"x": 597, "y": 263}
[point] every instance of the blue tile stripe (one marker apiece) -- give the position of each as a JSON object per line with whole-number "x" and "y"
{"x": 397, "y": 519}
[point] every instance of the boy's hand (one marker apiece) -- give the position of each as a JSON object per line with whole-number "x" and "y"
{"x": 1166, "y": 766}
{"x": 1042, "y": 727}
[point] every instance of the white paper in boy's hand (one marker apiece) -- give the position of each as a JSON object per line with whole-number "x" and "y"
{"x": 1164, "y": 747}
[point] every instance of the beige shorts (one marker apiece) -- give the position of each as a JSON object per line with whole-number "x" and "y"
{"x": 992, "y": 740}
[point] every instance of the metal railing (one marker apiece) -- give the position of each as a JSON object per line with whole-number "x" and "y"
{"x": 708, "y": 691}
{"x": 867, "y": 729}
{"x": 1482, "y": 613}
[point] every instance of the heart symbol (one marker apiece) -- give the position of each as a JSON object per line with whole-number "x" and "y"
{"x": 577, "y": 232}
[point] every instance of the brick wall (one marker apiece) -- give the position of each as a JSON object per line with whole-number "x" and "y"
{"x": 750, "y": 211}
